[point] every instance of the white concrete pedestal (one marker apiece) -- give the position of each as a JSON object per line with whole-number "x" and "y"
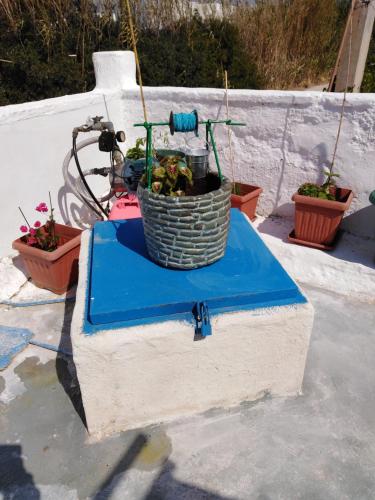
{"x": 132, "y": 377}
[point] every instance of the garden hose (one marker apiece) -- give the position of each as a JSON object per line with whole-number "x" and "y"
{"x": 101, "y": 209}
{"x": 75, "y": 184}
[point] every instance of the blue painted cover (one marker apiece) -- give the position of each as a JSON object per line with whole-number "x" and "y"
{"x": 127, "y": 288}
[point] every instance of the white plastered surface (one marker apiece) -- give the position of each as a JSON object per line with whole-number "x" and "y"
{"x": 131, "y": 377}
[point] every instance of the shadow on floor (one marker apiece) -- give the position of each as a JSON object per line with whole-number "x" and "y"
{"x": 164, "y": 485}
{"x": 65, "y": 367}
{"x": 19, "y": 264}
{"x": 348, "y": 247}
{"x": 15, "y": 482}
{"x": 277, "y": 226}
{"x": 106, "y": 488}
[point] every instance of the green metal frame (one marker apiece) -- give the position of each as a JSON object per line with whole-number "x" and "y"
{"x": 209, "y": 139}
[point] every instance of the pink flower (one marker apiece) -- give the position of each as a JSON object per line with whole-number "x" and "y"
{"x": 32, "y": 231}
{"x": 31, "y": 240}
{"x": 23, "y": 229}
{"x": 37, "y": 223}
{"x": 42, "y": 207}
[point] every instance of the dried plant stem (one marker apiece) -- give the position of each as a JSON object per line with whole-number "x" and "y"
{"x": 52, "y": 220}
{"x": 346, "y": 86}
{"x": 23, "y": 215}
{"x": 229, "y": 129}
{"x": 134, "y": 44}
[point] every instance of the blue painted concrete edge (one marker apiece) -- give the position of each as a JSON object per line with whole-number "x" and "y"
{"x": 90, "y": 329}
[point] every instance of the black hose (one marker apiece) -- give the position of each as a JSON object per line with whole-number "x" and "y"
{"x": 86, "y": 184}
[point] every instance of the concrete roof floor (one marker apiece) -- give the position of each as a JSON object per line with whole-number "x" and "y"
{"x": 320, "y": 445}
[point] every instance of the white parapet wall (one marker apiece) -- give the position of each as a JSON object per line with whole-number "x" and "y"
{"x": 288, "y": 140}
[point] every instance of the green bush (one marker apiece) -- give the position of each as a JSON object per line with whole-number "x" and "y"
{"x": 194, "y": 53}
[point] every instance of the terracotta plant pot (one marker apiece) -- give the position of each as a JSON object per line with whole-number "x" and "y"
{"x": 247, "y": 199}
{"x": 317, "y": 220}
{"x": 58, "y": 270}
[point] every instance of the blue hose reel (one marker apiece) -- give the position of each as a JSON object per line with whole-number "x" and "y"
{"x": 184, "y": 122}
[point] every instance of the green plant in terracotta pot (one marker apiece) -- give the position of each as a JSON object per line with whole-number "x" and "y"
{"x": 319, "y": 210}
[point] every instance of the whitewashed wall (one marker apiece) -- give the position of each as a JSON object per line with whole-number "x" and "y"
{"x": 288, "y": 138}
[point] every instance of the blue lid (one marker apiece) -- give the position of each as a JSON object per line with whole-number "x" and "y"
{"x": 127, "y": 288}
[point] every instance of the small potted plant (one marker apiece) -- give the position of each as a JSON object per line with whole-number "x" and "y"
{"x": 135, "y": 163}
{"x": 50, "y": 252}
{"x": 245, "y": 197}
{"x": 319, "y": 210}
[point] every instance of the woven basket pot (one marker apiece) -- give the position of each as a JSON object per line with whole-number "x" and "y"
{"x": 187, "y": 232}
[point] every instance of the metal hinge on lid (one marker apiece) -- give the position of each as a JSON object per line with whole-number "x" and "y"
{"x": 202, "y": 320}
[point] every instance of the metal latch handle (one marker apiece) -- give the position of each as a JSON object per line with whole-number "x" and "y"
{"x": 202, "y": 319}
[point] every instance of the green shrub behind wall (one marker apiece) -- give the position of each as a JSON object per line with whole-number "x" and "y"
{"x": 194, "y": 53}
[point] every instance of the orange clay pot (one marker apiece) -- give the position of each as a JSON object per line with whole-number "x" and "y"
{"x": 58, "y": 270}
{"x": 247, "y": 199}
{"x": 316, "y": 220}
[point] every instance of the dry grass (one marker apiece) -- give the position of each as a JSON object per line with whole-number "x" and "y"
{"x": 292, "y": 42}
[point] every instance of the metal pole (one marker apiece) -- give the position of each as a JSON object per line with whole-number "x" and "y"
{"x": 148, "y": 155}
{"x": 209, "y": 128}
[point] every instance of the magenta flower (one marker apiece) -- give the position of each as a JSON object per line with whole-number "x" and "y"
{"x": 31, "y": 240}
{"x": 38, "y": 235}
{"x": 42, "y": 207}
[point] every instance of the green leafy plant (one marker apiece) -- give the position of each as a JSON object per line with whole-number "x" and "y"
{"x": 324, "y": 191}
{"x": 137, "y": 152}
{"x": 170, "y": 177}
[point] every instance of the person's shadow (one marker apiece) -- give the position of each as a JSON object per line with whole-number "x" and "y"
{"x": 65, "y": 366}
{"x": 15, "y": 482}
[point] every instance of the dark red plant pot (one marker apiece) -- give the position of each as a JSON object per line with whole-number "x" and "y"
{"x": 247, "y": 199}
{"x": 317, "y": 220}
{"x": 58, "y": 270}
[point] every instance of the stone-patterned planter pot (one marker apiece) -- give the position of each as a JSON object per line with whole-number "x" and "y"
{"x": 247, "y": 199}
{"x": 187, "y": 232}
{"x": 58, "y": 270}
{"x": 317, "y": 221}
